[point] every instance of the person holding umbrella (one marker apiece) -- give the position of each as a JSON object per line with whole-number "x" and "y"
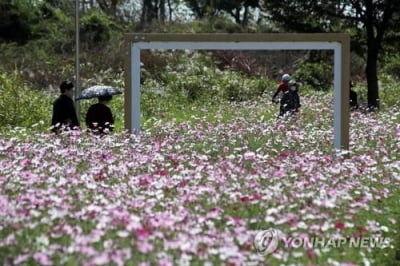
{"x": 64, "y": 115}
{"x": 99, "y": 118}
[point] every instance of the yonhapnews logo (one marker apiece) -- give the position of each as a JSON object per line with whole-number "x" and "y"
{"x": 268, "y": 241}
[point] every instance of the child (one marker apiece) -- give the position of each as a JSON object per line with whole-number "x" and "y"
{"x": 290, "y": 101}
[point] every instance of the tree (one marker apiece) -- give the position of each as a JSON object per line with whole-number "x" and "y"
{"x": 369, "y": 20}
{"x": 17, "y": 18}
{"x": 153, "y": 10}
{"x": 109, "y": 6}
{"x": 238, "y": 9}
{"x": 235, "y": 8}
{"x": 201, "y": 8}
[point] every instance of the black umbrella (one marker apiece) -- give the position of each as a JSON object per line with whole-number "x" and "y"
{"x": 97, "y": 91}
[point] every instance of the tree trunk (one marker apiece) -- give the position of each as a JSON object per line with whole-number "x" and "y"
{"x": 169, "y": 10}
{"x": 113, "y": 8}
{"x": 245, "y": 19}
{"x": 372, "y": 58}
{"x": 147, "y": 12}
{"x": 103, "y": 6}
{"x": 162, "y": 11}
{"x": 237, "y": 17}
{"x": 143, "y": 15}
{"x": 372, "y": 76}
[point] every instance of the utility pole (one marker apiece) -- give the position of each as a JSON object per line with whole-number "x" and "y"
{"x": 77, "y": 66}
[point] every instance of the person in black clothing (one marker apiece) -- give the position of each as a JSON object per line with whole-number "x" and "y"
{"x": 290, "y": 101}
{"x": 64, "y": 115}
{"x": 353, "y": 98}
{"x": 99, "y": 118}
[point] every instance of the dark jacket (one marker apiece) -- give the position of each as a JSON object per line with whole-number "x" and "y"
{"x": 99, "y": 117}
{"x": 353, "y": 100}
{"x": 64, "y": 113}
{"x": 290, "y": 101}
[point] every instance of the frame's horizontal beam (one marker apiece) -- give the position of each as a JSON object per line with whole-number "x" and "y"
{"x": 237, "y": 45}
{"x": 237, "y": 37}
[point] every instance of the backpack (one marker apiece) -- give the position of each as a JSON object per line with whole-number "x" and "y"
{"x": 290, "y": 101}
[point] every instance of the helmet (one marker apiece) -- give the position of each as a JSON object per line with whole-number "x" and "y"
{"x": 286, "y": 77}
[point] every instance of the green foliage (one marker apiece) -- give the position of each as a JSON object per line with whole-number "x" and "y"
{"x": 389, "y": 90}
{"x": 47, "y": 60}
{"x": 211, "y": 9}
{"x": 57, "y": 28}
{"x": 316, "y": 75}
{"x": 191, "y": 79}
{"x": 212, "y": 25}
{"x": 195, "y": 77}
{"x": 38, "y": 66}
{"x": 240, "y": 88}
{"x": 20, "y": 105}
{"x": 217, "y": 25}
{"x": 196, "y": 82}
{"x": 224, "y": 25}
{"x": 44, "y": 59}
{"x": 392, "y": 65}
{"x": 17, "y": 18}
{"x": 96, "y": 27}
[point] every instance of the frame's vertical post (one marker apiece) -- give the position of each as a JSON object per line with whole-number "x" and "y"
{"x": 345, "y": 87}
{"x": 135, "y": 84}
{"x": 341, "y": 94}
{"x": 337, "y": 99}
{"x": 77, "y": 66}
{"x": 128, "y": 86}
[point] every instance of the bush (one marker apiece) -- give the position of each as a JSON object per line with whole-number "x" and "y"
{"x": 221, "y": 24}
{"x": 388, "y": 90}
{"x": 392, "y": 66}
{"x": 212, "y": 25}
{"x": 42, "y": 59}
{"x": 237, "y": 87}
{"x": 96, "y": 27}
{"x": 194, "y": 77}
{"x": 22, "y": 106}
{"x": 17, "y": 18}
{"x": 318, "y": 76}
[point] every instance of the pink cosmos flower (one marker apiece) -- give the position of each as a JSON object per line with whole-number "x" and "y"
{"x": 311, "y": 254}
{"x": 42, "y": 258}
{"x": 144, "y": 247}
{"x": 21, "y": 258}
{"x": 164, "y": 262}
{"x": 142, "y": 233}
{"x": 101, "y": 259}
{"x": 339, "y": 225}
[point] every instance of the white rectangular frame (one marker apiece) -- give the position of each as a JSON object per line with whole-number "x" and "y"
{"x": 338, "y": 42}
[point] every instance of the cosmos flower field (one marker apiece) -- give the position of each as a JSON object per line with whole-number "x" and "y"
{"x": 197, "y": 191}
